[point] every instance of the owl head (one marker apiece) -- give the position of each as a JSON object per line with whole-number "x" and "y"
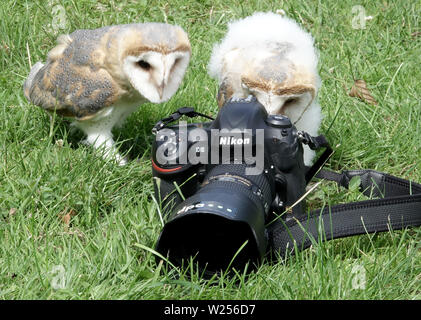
{"x": 268, "y": 56}
{"x": 154, "y": 58}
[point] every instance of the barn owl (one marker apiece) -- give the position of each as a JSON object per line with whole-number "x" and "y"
{"x": 99, "y": 77}
{"x": 270, "y": 57}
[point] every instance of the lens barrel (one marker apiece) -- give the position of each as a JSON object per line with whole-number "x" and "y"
{"x": 225, "y": 215}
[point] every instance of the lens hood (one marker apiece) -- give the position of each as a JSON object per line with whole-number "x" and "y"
{"x": 211, "y": 227}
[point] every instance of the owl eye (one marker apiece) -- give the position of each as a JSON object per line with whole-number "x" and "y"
{"x": 176, "y": 61}
{"x": 290, "y": 100}
{"x": 144, "y": 65}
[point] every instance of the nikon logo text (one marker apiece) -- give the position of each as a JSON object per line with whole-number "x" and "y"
{"x": 225, "y": 141}
{"x": 216, "y": 146}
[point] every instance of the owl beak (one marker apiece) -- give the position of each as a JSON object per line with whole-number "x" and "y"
{"x": 161, "y": 90}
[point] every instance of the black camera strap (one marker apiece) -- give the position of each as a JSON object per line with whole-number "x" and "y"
{"x": 315, "y": 143}
{"x": 398, "y": 206}
{"x": 185, "y": 111}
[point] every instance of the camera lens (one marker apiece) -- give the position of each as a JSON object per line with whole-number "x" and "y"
{"x": 225, "y": 215}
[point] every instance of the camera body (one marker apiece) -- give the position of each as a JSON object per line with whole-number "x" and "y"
{"x": 220, "y": 182}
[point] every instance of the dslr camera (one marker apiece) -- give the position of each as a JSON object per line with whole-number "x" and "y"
{"x": 220, "y": 184}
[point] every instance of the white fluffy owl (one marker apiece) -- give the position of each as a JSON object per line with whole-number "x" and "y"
{"x": 99, "y": 77}
{"x": 274, "y": 59}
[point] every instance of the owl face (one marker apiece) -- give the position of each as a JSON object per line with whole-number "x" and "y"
{"x": 270, "y": 57}
{"x": 155, "y": 75}
{"x": 282, "y": 100}
{"x": 281, "y": 85}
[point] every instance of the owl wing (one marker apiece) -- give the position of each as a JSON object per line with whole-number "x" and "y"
{"x": 72, "y": 82}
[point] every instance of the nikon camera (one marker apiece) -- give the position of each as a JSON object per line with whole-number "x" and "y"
{"x": 220, "y": 183}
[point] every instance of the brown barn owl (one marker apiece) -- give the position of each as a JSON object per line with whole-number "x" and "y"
{"x": 99, "y": 77}
{"x": 271, "y": 57}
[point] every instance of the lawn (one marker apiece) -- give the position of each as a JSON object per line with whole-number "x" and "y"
{"x": 73, "y": 226}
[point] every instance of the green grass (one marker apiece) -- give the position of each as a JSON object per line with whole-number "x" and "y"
{"x": 103, "y": 253}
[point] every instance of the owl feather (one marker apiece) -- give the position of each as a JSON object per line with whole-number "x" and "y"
{"x": 98, "y": 77}
{"x": 274, "y": 59}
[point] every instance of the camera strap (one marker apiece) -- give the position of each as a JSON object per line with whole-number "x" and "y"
{"x": 398, "y": 206}
{"x": 315, "y": 143}
{"x": 185, "y": 111}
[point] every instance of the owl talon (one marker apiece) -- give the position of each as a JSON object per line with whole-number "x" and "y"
{"x": 121, "y": 161}
{"x": 111, "y": 154}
